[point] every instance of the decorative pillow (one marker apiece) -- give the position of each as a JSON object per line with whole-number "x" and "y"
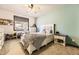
{"x": 42, "y": 29}
{"x": 48, "y": 29}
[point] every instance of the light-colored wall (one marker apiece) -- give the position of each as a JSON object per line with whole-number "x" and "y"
{"x": 66, "y": 19}
{"x": 6, "y": 14}
{"x": 7, "y": 29}
{"x": 31, "y": 21}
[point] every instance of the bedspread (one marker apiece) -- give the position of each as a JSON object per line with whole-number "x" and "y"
{"x": 35, "y": 39}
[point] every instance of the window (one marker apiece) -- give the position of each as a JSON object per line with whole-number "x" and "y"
{"x": 21, "y": 24}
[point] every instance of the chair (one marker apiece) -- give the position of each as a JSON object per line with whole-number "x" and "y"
{"x": 1, "y": 38}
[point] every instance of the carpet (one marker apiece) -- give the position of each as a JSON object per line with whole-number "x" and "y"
{"x": 13, "y": 47}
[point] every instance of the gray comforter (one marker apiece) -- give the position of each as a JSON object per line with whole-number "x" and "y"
{"x": 34, "y": 39}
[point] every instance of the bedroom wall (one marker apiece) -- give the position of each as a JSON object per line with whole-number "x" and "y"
{"x": 6, "y": 14}
{"x": 66, "y": 19}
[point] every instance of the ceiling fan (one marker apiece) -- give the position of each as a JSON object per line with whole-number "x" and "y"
{"x": 33, "y": 8}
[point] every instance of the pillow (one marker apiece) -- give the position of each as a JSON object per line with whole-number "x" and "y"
{"x": 48, "y": 29}
{"x": 42, "y": 29}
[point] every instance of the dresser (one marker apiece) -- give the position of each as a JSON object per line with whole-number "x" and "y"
{"x": 60, "y": 39}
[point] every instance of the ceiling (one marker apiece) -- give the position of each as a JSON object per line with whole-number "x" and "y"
{"x": 23, "y": 8}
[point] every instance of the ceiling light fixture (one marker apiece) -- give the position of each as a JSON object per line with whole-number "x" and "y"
{"x": 33, "y": 8}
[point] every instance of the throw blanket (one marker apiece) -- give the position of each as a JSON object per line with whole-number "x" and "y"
{"x": 35, "y": 39}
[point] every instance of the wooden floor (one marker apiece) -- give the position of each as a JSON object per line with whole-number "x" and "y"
{"x": 13, "y": 47}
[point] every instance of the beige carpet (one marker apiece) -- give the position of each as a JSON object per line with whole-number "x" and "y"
{"x": 13, "y": 47}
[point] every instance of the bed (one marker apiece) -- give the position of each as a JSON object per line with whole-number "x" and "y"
{"x": 35, "y": 40}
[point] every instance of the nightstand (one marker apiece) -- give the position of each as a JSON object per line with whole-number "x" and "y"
{"x": 60, "y": 39}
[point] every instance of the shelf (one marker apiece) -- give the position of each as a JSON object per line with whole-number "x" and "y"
{"x": 5, "y": 21}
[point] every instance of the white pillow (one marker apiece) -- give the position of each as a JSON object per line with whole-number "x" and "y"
{"x": 46, "y": 28}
